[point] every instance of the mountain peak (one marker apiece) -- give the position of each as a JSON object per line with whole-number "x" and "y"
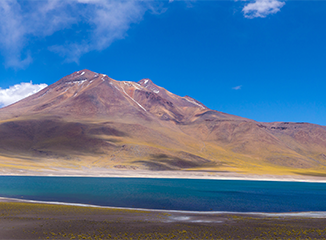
{"x": 148, "y": 84}
{"x": 85, "y": 71}
{"x": 81, "y": 75}
{"x": 145, "y": 82}
{"x": 87, "y": 94}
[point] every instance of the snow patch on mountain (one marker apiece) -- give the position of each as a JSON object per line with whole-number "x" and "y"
{"x": 193, "y": 102}
{"x": 133, "y": 99}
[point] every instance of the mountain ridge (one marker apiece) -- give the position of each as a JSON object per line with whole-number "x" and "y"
{"x": 87, "y": 119}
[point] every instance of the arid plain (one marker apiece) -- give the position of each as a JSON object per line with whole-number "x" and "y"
{"x": 20, "y": 220}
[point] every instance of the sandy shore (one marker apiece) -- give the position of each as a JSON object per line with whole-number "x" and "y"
{"x": 21, "y": 220}
{"x": 101, "y": 172}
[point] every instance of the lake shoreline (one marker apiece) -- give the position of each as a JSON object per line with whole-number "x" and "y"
{"x": 207, "y": 175}
{"x": 309, "y": 214}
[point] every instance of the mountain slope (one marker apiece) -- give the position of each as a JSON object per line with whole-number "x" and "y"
{"x": 88, "y": 120}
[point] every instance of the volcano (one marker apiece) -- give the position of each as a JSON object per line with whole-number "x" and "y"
{"x": 89, "y": 120}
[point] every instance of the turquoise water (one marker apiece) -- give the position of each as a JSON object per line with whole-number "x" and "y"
{"x": 170, "y": 194}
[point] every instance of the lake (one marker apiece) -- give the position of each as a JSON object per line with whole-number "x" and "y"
{"x": 170, "y": 194}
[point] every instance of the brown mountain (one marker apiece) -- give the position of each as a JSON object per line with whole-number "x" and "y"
{"x": 88, "y": 120}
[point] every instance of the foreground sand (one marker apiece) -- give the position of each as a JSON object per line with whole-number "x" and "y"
{"x": 19, "y": 220}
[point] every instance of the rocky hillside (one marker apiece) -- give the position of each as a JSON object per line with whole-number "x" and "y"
{"x": 88, "y": 120}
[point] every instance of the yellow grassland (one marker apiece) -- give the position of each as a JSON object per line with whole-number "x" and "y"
{"x": 164, "y": 140}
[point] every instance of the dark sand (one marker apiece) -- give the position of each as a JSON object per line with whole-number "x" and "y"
{"x": 19, "y": 220}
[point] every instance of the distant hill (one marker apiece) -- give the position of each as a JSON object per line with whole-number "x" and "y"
{"x": 88, "y": 120}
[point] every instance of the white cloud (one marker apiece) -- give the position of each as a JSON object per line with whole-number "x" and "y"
{"x": 100, "y": 22}
{"x": 237, "y": 87}
{"x": 18, "y": 92}
{"x": 262, "y": 8}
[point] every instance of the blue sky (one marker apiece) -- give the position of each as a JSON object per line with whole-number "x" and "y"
{"x": 260, "y": 59}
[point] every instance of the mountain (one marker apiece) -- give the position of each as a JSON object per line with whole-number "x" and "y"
{"x": 88, "y": 120}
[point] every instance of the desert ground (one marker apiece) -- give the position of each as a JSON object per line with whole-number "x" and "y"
{"x": 21, "y": 220}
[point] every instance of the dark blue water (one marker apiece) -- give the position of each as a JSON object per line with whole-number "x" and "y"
{"x": 171, "y": 194}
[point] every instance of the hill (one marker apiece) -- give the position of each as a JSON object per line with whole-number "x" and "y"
{"x": 87, "y": 120}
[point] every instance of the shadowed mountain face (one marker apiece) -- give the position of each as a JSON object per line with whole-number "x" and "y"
{"x": 88, "y": 120}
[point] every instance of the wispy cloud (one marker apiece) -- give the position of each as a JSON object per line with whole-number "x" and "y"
{"x": 18, "y": 92}
{"x": 237, "y": 87}
{"x": 188, "y": 2}
{"x": 12, "y": 33}
{"x": 262, "y": 8}
{"x": 103, "y": 21}
{"x": 99, "y": 23}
